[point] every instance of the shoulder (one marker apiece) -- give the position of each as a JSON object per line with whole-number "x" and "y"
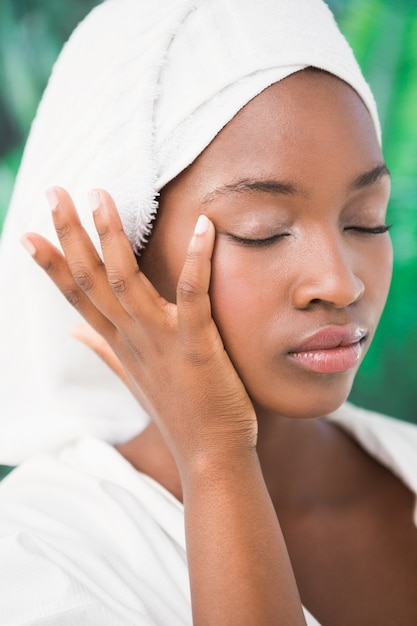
{"x": 391, "y": 441}
{"x": 359, "y": 420}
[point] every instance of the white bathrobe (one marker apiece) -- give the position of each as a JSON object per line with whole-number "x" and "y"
{"x": 86, "y": 540}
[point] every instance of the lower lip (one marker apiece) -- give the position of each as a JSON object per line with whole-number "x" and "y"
{"x": 331, "y": 361}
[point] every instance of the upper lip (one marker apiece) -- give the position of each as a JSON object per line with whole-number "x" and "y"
{"x": 332, "y": 337}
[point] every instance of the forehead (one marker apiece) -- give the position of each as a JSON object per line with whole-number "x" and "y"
{"x": 292, "y": 128}
{"x": 310, "y": 131}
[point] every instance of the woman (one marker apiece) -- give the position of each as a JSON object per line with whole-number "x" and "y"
{"x": 233, "y": 339}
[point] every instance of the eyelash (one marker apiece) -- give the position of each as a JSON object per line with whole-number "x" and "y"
{"x": 257, "y": 242}
{"x": 375, "y": 230}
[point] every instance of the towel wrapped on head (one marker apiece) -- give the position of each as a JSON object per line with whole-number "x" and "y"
{"x": 138, "y": 92}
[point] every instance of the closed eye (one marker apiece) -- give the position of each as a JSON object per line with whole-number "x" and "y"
{"x": 374, "y": 230}
{"x": 267, "y": 241}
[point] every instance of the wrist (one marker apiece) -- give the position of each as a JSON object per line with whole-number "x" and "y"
{"x": 220, "y": 469}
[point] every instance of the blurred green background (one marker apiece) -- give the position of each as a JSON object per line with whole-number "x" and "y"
{"x": 383, "y": 34}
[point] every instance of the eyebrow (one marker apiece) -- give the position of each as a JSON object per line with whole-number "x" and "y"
{"x": 370, "y": 178}
{"x": 276, "y": 187}
{"x": 263, "y": 186}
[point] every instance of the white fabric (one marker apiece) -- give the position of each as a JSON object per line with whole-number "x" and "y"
{"x": 138, "y": 92}
{"x": 85, "y": 539}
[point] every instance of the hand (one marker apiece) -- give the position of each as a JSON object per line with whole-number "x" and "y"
{"x": 170, "y": 355}
{"x": 174, "y": 361}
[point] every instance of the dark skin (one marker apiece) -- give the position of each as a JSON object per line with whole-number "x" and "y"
{"x": 338, "y": 541}
{"x": 352, "y": 545}
{"x": 346, "y": 520}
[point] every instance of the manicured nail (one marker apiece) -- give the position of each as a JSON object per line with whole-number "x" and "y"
{"x": 28, "y": 245}
{"x": 52, "y": 197}
{"x": 94, "y": 199}
{"x": 201, "y": 225}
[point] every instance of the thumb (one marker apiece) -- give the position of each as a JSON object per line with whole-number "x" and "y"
{"x": 193, "y": 300}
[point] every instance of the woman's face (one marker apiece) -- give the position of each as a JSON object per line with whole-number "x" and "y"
{"x": 297, "y": 189}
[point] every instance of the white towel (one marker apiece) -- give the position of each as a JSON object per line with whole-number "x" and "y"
{"x": 140, "y": 89}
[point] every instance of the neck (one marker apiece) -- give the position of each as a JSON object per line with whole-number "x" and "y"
{"x": 294, "y": 454}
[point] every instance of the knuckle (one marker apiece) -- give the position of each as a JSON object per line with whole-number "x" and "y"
{"x": 83, "y": 279}
{"x": 63, "y": 232}
{"x": 193, "y": 256}
{"x": 73, "y": 296}
{"x": 53, "y": 270}
{"x": 187, "y": 289}
{"x": 200, "y": 353}
{"x": 105, "y": 234}
{"x": 49, "y": 268}
{"x": 117, "y": 284}
{"x": 198, "y": 359}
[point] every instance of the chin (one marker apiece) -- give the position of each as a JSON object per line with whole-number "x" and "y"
{"x": 320, "y": 409}
{"x": 306, "y": 402}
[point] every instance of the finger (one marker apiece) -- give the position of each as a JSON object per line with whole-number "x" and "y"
{"x": 128, "y": 283}
{"x": 54, "y": 264}
{"x": 92, "y": 339}
{"x": 83, "y": 260}
{"x": 193, "y": 300}
{"x": 71, "y": 233}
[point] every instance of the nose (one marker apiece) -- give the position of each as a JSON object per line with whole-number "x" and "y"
{"x": 328, "y": 274}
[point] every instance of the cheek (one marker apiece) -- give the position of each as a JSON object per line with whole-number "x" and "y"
{"x": 378, "y": 271}
{"x": 246, "y": 299}
{"x": 228, "y": 297}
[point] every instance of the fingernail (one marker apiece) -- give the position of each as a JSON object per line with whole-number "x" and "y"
{"x": 52, "y": 197}
{"x": 28, "y": 245}
{"x": 94, "y": 199}
{"x": 201, "y": 225}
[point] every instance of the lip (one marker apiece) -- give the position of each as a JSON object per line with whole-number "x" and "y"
{"x": 331, "y": 350}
